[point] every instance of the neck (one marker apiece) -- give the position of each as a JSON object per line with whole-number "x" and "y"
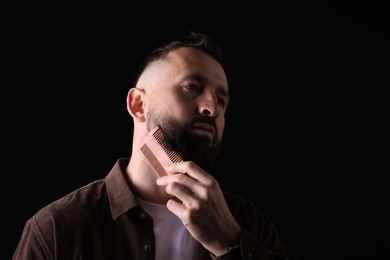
{"x": 142, "y": 180}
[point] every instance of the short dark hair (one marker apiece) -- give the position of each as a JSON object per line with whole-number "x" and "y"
{"x": 198, "y": 40}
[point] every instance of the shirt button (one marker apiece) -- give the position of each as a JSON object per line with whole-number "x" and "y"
{"x": 147, "y": 248}
{"x": 141, "y": 216}
{"x": 249, "y": 256}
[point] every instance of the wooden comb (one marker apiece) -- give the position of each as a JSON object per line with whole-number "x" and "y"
{"x": 155, "y": 149}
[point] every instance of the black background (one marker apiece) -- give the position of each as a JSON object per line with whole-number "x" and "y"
{"x": 306, "y": 136}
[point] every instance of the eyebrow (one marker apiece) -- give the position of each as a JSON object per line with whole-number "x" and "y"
{"x": 198, "y": 77}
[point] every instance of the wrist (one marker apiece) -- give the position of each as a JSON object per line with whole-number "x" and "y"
{"x": 227, "y": 245}
{"x": 236, "y": 242}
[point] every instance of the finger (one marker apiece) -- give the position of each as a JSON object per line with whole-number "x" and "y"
{"x": 183, "y": 194}
{"x": 175, "y": 169}
{"x": 182, "y": 187}
{"x": 189, "y": 168}
{"x": 179, "y": 178}
{"x": 177, "y": 208}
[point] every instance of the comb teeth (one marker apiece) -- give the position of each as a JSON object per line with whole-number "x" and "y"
{"x": 173, "y": 156}
{"x": 156, "y": 151}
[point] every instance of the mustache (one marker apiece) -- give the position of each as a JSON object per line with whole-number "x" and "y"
{"x": 205, "y": 120}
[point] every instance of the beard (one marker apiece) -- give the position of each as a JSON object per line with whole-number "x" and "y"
{"x": 190, "y": 147}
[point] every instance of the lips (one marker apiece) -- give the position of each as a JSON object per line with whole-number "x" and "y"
{"x": 204, "y": 129}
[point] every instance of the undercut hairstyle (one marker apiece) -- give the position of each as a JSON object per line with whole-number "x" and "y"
{"x": 198, "y": 40}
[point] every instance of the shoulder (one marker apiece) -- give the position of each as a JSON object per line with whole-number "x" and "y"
{"x": 75, "y": 205}
{"x": 63, "y": 221}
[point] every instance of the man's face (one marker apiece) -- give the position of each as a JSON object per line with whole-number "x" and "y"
{"x": 187, "y": 96}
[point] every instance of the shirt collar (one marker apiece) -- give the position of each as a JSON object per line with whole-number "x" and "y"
{"x": 119, "y": 194}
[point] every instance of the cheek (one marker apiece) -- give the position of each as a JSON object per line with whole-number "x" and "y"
{"x": 172, "y": 110}
{"x": 181, "y": 108}
{"x": 163, "y": 104}
{"x": 221, "y": 127}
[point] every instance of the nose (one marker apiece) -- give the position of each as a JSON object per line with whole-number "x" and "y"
{"x": 209, "y": 105}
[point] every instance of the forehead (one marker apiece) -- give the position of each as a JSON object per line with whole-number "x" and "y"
{"x": 193, "y": 59}
{"x": 181, "y": 64}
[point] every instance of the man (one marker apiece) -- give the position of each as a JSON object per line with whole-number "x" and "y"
{"x": 136, "y": 213}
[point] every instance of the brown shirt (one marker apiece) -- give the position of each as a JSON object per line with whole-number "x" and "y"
{"x": 103, "y": 220}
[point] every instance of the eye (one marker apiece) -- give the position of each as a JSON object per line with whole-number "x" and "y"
{"x": 222, "y": 102}
{"x": 193, "y": 87}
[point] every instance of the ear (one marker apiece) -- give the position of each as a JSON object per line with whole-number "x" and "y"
{"x": 135, "y": 104}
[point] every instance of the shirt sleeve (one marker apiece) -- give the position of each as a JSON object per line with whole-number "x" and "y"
{"x": 260, "y": 237}
{"x": 31, "y": 245}
{"x": 250, "y": 248}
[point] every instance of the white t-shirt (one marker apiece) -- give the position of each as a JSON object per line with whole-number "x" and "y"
{"x": 173, "y": 241}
